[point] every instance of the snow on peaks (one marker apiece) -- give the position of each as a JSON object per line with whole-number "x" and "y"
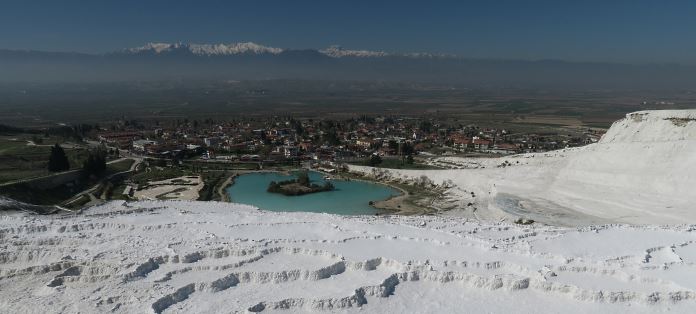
{"x": 338, "y": 52}
{"x": 154, "y": 47}
{"x": 233, "y": 49}
{"x": 208, "y": 49}
{"x": 250, "y": 48}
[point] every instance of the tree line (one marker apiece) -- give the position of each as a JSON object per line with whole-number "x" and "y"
{"x": 94, "y": 165}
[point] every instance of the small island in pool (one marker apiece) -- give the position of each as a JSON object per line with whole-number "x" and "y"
{"x": 301, "y": 185}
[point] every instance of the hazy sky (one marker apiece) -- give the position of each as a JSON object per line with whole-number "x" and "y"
{"x": 626, "y": 31}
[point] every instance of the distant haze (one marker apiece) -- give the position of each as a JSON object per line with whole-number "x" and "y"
{"x": 250, "y": 61}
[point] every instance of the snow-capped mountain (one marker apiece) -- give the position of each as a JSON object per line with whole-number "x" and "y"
{"x": 252, "y": 61}
{"x": 250, "y": 48}
{"x": 207, "y": 49}
{"x": 338, "y": 52}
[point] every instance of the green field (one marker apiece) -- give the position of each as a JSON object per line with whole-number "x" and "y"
{"x": 119, "y": 166}
{"x": 166, "y": 101}
{"x": 20, "y": 160}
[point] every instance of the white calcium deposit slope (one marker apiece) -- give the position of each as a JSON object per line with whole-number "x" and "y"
{"x": 208, "y": 257}
{"x": 196, "y": 257}
{"x": 642, "y": 171}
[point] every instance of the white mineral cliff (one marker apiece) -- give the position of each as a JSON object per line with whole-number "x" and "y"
{"x": 209, "y": 257}
{"x": 643, "y": 171}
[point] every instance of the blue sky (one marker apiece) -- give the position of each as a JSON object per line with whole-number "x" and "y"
{"x": 619, "y": 31}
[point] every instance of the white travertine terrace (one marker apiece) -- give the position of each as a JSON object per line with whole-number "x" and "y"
{"x": 204, "y": 257}
{"x": 209, "y": 257}
{"x": 642, "y": 171}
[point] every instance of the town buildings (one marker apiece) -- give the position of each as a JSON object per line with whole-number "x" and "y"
{"x": 289, "y": 139}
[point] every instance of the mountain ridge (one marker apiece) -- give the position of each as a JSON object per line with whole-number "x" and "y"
{"x": 251, "y": 61}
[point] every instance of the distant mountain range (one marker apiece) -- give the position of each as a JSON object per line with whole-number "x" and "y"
{"x": 251, "y": 61}
{"x": 250, "y": 48}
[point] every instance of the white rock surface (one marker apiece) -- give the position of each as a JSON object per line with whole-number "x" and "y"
{"x": 643, "y": 171}
{"x": 207, "y": 257}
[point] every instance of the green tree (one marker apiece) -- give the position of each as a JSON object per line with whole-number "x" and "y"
{"x": 331, "y": 137}
{"x": 37, "y": 140}
{"x": 426, "y": 126}
{"x": 394, "y": 145}
{"x": 374, "y": 160}
{"x": 303, "y": 178}
{"x": 407, "y": 149}
{"x": 298, "y": 127}
{"x": 96, "y": 162}
{"x": 58, "y": 161}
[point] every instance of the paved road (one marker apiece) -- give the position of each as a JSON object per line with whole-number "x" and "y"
{"x": 37, "y": 178}
{"x": 89, "y": 192}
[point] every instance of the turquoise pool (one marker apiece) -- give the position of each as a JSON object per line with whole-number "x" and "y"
{"x": 349, "y": 197}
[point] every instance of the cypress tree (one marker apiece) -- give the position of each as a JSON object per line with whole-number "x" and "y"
{"x": 374, "y": 160}
{"x": 96, "y": 162}
{"x": 58, "y": 161}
